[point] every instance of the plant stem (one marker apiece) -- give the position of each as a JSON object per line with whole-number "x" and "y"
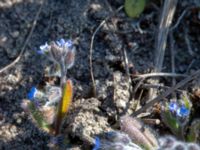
{"x": 62, "y": 86}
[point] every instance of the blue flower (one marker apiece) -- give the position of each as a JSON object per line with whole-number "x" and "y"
{"x": 31, "y": 93}
{"x": 62, "y": 43}
{"x": 173, "y": 107}
{"x": 182, "y": 111}
{"x": 97, "y": 144}
{"x": 179, "y": 110}
{"x": 69, "y": 43}
{"x": 43, "y": 49}
{"x": 61, "y": 52}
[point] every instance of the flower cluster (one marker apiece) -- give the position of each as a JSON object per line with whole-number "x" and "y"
{"x": 177, "y": 110}
{"x": 62, "y": 52}
{"x": 50, "y": 96}
{"x": 42, "y": 105}
{"x": 180, "y": 110}
{"x": 48, "y": 105}
{"x": 175, "y": 115}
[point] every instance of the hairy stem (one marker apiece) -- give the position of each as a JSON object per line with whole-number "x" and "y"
{"x": 63, "y": 80}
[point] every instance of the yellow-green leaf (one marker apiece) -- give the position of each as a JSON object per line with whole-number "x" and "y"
{"x": 67, "y": 98}
{"x": 134, "y": 8}
{"x": 64, "y": 104}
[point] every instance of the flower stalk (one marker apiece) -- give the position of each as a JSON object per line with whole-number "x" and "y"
{"x": 49, "y": 105}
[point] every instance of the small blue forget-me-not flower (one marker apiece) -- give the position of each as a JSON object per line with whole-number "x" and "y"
{"x": 173, "y": 107}
{"x": 32, "y": 93}
{"x": 43, "y": 49}
{"x": 62, "y": 43}
{"x": 62, "y": 52}
{"x": 182, "y": 111}
{"x": 179, "y": 110}
{"x": 97, "y": 144}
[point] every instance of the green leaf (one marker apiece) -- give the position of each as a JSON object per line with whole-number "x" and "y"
{"x": 171, "y": 122}
{"x": 187, "y": 102}
{"x": 38, "y": 117}
{"x": 134, "y": 8}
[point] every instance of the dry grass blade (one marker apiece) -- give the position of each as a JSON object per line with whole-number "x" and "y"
{"x": 168, "y": 92}
{"x": 161, "y": 39}
{"x": 91, "y": 48}
{"x": 165, "y": 22}
{"x": 158, "y": 74}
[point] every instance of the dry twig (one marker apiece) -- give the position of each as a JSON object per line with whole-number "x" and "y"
{"x": 157, "y": 74}
{"x": 187, "y": 41}
{"x": 180, "y": 18}
{"x": 172, "y": 57}
{"x": 165, "y": 22}
{"x": 91, "y": 48}
{"x": 161, "y": 39}
{"x": 159, "y": 87}
{"x": 172, "y": 52}
{"x": 168, "y": 92}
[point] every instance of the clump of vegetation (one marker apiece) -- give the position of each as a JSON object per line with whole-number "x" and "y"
{"x": 48, "y": 106}
{"x": 176, "y": 115}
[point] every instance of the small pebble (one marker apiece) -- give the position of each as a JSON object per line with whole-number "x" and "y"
{"x": 19, "y": 121}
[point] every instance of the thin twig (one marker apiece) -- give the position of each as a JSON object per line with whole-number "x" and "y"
{"x": 157, "y": 74}
{"x": 137, "y": 86}
{"x": 180, "y": 18}
{"x": 118, "y": 32}
{"x": 190, "y": 65}
{"x": 168, "y": 92}
{"x": 108, "y": 5}
{"x": 159, "y": 87}
{"x": 187, "y": 41}
{"x": 26, "y": 41}
{"x": 165, "y": 22}
{"x": 92, "y": 44}
{"x": 166, "y": 18}
{"x": 171, "y": 38}
{"x": 126, "y": 63}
